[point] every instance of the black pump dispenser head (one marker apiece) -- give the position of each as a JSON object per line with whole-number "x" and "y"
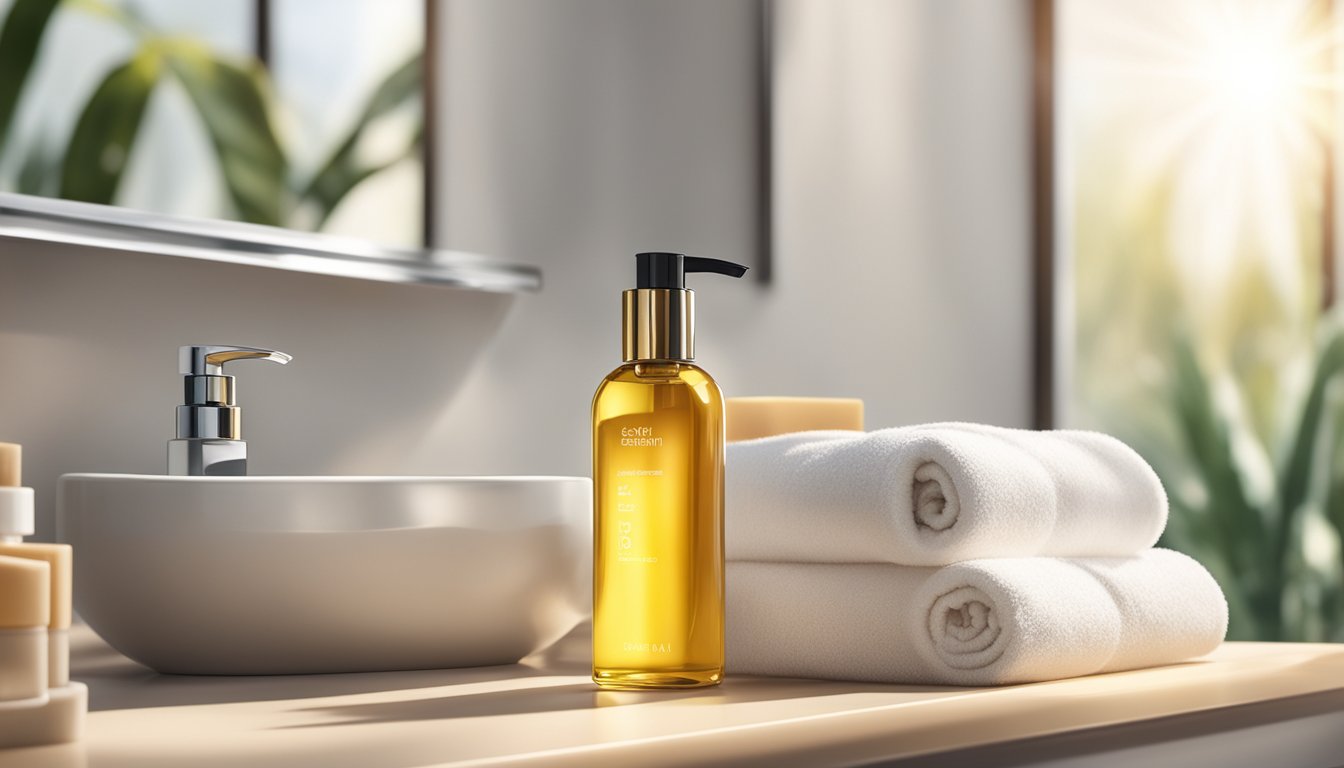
{"x": 658, "y": 316}
{"x": 657, "y": 269}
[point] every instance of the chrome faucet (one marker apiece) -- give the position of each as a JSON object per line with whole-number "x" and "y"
{"x": 209, "y": 423}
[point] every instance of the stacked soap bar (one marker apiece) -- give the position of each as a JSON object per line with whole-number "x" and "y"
{"x": 750, "y": 418}
{"x": 38, "y": 702}
{"x": 24, "y": 613}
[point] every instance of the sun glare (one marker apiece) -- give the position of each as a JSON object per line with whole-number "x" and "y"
{"x": 1222, "y": 109}
{"x": 1251, "y": 70}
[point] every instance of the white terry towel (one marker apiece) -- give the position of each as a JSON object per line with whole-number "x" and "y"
{"x": 982, "y": 622}
{"x": 938, "y": 494}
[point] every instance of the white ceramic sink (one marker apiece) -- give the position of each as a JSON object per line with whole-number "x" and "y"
{"x": 283, "y": 575}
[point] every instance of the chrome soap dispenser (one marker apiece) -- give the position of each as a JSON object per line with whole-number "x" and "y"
{"x": 209, "y": 422}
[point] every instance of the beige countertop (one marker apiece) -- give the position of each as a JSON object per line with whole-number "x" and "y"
{"x": 546, "y": 711}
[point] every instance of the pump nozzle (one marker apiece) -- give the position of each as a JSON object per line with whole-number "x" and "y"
{"x": 657, "y": 269}
{"x": 659, "y": 313}
{"x": 209, "y": 421}
{"x": 209, "y": 360}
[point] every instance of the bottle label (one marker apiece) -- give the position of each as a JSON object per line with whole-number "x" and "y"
{"x": 637, "y": 493}
{"x": 646, "y": 538}
{"x": 640, "y": 437}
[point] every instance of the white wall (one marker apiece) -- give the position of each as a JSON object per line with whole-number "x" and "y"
{"x": 88, "y": 361}
{"x": 580, "y": 132}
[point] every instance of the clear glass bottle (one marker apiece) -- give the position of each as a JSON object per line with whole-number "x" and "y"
{"x": 658, "y": 465}
{"x": 658, "y": 534}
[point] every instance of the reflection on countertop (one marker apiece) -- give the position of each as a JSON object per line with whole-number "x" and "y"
{"x": 546, "y": 709}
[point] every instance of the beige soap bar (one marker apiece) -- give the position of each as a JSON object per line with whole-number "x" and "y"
{"x": 60, "y": 720}
{"x": 751, "y": 417}
{"x": 11, "y": 465}
{"x": 25, "y": 593}
{"x": 59, "y": 559}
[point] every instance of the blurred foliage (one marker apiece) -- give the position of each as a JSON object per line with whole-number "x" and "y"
{"x": 101, "y": 142}
{"x": 1276, "y": 554}
{"x": 19, "y": 40}
{"x": 343, "y": 170}
{"x": 233, "y": 100}
{"x": 1232, "y": 391}
{"x": 233, "y": 108}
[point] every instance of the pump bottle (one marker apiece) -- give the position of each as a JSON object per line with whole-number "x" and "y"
{"x": 209, "y": 422}
{"x": 658, "y": 438}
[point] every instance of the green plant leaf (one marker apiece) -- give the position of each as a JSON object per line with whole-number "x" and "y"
{"x": 1333, "y": 493}
{"x": 343, "y": 171}
{"x": 1304, "y": 467}
{"x": 39, "y": 173}
{"x": 101, "y": 142}
{"x": 1229, "y": 527}
{"x": 20, "y": 40}
{"x": 1297, "y": 469}
{"x": 231, "y": 100}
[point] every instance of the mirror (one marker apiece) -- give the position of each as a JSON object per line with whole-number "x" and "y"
{"x": 245, "y": 110}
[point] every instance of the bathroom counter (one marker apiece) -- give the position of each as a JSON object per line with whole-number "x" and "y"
{"x": 1247, "y": 703}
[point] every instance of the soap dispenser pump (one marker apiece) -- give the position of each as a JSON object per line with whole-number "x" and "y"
{"x": 658, "y": 466}
{"x": 209, "y": 422}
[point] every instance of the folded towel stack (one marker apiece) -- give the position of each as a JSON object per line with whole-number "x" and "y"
{"x": 955, "y": 553}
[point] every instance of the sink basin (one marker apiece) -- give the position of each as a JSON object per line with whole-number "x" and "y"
{"x": 286, "y": 575}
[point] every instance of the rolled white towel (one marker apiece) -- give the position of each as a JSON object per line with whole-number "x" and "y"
{"x": 982, "y": 622}
{"x": 939, "y": 494}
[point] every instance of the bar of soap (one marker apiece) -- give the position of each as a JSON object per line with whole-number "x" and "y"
{"x": 25, "y": 593}
{"x": 11, "y": 465}
{"x": 58, "y": 558}
{"x": 25, "y": 610}
{"x": 748, "y": 418}
{"x": 59, "y": 719}
{"x": 24, "y": 667}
